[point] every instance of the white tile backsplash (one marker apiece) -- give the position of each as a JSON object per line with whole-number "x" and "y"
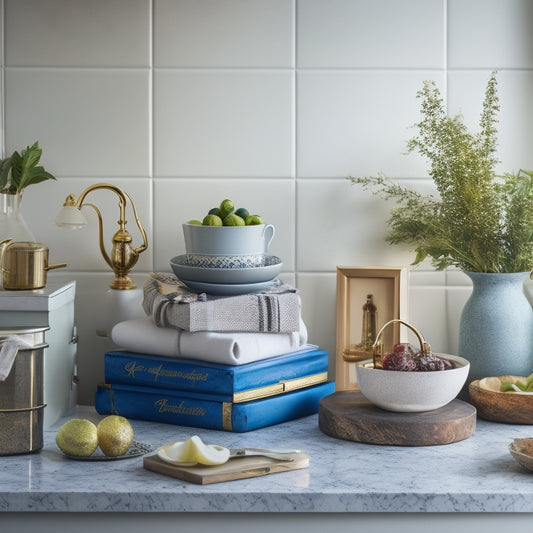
{"x": 371, "y": 34}
{"x": 270, "y": 102}
{"x": 427, "y": 311}
{"x": 338, "y": 224}
{"x": 319, "y": 308}
{"x": 358, "y": 122}
{"x": 233, "y": 33}
{"x": 490, "y": 34}
{"x": 228, "y": 123}
{"x": 89, "y": 122}
{"x": 77, "y": 33}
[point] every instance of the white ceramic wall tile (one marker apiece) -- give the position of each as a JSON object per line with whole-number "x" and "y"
{"x": 345, "y": 226}
{"x": 78, "y": 33}
{"x": 358, "y": 122}
{"x": 88, "y": 122}
{"x": 427, "y": 313}
{"x": 456, "y": 277}
{"x": 426, "y": 278}
{"x": 466, "y": 90}
{"x": 370, "y": 33}
{"x": 223, "y": 123}
{"x": 318, "y": 293}
{"x": 80, "y": 248}
{"x": 456, "y": 298}
{"x": 490, "y": 34}
{"x": 180, "y": 200}
{"x": 223, "y": 33}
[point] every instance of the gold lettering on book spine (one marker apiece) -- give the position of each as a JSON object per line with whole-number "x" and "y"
{"x": 164, "y": 406}
{"x": 133, "y": 368}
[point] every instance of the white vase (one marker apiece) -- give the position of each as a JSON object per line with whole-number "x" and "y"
{"x": 12, "y": 223}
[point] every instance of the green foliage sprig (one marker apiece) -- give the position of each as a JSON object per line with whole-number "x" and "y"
{"x": 479, "y": 221}
{"x": 21, "y": 170}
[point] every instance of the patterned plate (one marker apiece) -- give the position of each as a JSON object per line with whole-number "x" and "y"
{"x": 259, "y": 274}
{"x": 135, "y": 449}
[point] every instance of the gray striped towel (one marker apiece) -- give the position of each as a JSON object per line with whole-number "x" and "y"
{"x": 169, "y": 304}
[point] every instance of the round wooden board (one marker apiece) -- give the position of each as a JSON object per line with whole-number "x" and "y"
{"x": 349, "y": 415}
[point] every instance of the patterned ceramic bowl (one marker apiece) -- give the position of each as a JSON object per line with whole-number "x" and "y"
{"x": 225, "y": 261}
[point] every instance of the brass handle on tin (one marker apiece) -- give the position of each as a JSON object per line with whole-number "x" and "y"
{"x": 58, "y": 265}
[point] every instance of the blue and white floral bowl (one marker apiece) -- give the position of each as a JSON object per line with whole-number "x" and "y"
{"x": 225, "y": 261}
{"x": 256, "y": 274}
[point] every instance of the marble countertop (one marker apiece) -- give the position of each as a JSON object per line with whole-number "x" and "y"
{"x": 474, "y": 475}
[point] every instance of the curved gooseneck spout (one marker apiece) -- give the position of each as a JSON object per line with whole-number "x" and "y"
{"x": 123, "y": 256}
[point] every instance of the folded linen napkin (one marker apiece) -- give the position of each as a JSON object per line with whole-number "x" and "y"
{"x": 143, "y": 336}
{"x": 10, "y": 347}
{"x": 169, "y": 303}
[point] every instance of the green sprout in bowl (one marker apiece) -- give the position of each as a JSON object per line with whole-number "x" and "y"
{"x": 226, "y": 215}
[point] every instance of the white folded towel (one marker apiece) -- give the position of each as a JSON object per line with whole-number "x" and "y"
{"x": 143, "y": 336}
{"x": 10, "y": 347}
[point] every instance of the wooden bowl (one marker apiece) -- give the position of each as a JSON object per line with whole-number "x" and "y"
{"x": 506, "y": 407}
{"x": 522, "y": 451}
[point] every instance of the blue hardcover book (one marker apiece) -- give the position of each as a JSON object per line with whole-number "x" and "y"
{"x": 206, "y": 410}
{"x": 239, "y": 383}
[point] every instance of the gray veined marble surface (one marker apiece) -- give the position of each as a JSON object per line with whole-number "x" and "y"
{"x": 474, "y": 475}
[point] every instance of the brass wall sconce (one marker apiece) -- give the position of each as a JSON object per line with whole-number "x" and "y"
{"x": 123, "y": 256}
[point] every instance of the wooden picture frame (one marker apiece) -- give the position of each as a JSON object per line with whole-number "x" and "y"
{"x": 382, "y": 292}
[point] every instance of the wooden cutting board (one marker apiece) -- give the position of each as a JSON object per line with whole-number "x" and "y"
{"x": 349, "y": 415}
{"x": 236, "y": 468}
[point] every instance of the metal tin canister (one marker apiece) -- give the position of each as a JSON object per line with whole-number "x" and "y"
{"x": 25, "y": 265}
{"x": 21, "y": 394}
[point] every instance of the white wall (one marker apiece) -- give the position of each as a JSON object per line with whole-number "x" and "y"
{"x": 270, "y": 102}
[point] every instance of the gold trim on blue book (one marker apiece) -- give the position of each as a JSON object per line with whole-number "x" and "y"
{"x": 279, "y": 388}
{"x": 226, "y": 416}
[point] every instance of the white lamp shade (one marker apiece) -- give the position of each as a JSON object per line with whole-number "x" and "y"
{"x": 70, "y": 216}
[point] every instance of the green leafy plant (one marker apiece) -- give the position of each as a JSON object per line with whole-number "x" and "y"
{"x": 18, "y": 171}
{"x": 479, "y": 221}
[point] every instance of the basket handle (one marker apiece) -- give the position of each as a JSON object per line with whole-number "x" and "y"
{"x": 377, "y": 348}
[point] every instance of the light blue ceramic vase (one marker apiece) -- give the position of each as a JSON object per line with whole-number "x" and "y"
{"x": 496, "y": 326}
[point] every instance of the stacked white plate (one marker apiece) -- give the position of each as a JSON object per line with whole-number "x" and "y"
{"x": 227, "y": 281}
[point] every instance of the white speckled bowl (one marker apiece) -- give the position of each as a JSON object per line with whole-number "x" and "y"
{"x": 394, "y": 390}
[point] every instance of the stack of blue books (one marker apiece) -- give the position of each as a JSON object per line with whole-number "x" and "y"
{"x": 209, "y": 395}
{"x": 202, "y": 384}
